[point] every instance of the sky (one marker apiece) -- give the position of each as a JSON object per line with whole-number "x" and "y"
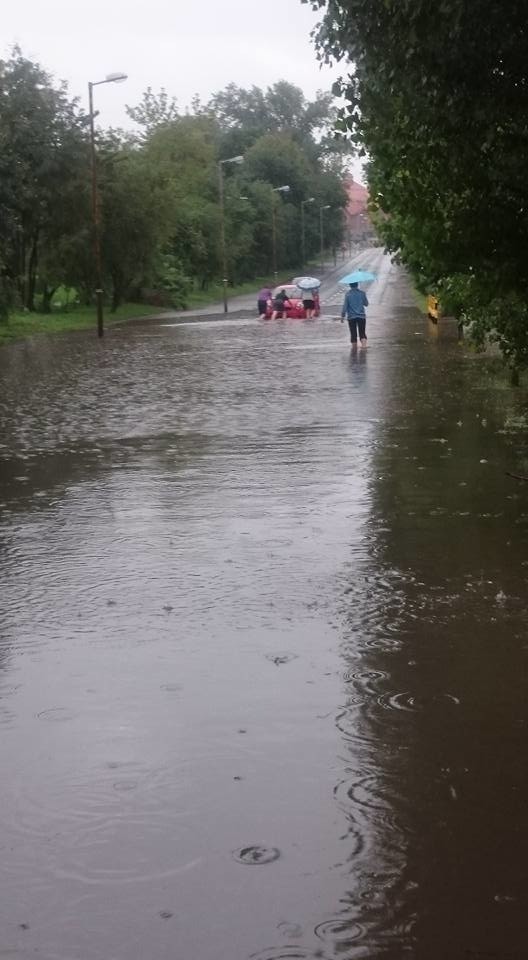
{"x": 185, "y": 47}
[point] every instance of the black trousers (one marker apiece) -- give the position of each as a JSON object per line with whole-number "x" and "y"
{"x": 357, "y": 326}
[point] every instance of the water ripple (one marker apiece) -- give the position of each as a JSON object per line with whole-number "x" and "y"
{"x": 256, "y": 854}
{"x": 364, "y": 679}
{"x": 286, "y": 953}
{"x": 57, "y": 715}
{"x": 342, "y": 931}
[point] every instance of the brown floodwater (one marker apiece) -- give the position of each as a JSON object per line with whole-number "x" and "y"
{"x": 264, "y": 643}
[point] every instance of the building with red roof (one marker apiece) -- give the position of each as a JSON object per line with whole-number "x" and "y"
{"x": 357, "y": 218}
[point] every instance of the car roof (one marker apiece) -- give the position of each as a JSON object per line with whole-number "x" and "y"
{"x": 287, "y": 287}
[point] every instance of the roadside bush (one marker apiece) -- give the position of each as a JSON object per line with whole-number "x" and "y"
{"x": 172, "y": 280}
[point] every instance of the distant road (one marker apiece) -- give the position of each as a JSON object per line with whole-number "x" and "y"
{"x": 331, "y": 292}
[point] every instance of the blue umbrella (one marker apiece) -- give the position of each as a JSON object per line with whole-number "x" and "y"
{"x": 358, "y": 276}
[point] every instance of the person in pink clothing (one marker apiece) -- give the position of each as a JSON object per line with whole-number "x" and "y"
{"x": 263, "y": 297}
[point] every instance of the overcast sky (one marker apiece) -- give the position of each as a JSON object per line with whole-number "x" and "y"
{"x": 185, "y": 47}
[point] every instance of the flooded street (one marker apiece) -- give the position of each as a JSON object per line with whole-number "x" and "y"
{"x": 264, "y": 648}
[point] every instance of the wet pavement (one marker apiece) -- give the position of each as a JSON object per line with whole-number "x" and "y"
{"x": 264, "y": 646}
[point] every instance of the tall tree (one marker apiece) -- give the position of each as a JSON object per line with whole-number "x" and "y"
{"x": 437, "y": 94}
{"x": 42, "y": 145}
{"x": 184, "y": 155}
{"x": 137, "y": 212}
{"x": 155, "y": 110}
{"x": 282, "y": 108}
{"x": 158, "y": 191}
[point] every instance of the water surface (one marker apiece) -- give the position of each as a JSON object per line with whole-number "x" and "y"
{"x": 264, "y": 643}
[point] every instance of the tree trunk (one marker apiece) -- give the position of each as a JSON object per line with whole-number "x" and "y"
{"x": 32, "y": 273}
{"x": 21, "y": 269}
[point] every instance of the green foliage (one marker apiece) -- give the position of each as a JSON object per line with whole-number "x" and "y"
{"x": 42, "y": 150}
{"x": 172, "y": 280}
{"x": 277, "y": 159}
{"x": 155, "y": 110}
{"x": 135, "y": 216}
{"x": 182, "y": 155}
{"x": 282, "y": 108}
{"x": 158, "y": 191}
{"x": 437, "y": 95}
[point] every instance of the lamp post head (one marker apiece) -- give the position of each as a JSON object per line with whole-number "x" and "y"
{"x": 239, "y": 159}
{"x": 310, "y": 200}
{"x": 110, "y": 78}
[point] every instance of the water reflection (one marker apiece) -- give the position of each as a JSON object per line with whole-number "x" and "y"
{"x": 436, "y": 784}
{"x": 261, "y": 596}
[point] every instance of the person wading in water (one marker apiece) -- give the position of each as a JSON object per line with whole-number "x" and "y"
{"x": 354, "y": 311}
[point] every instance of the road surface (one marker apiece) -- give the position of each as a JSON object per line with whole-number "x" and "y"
{"x": 263, "y": 658}
{"x": 330, "y": 289}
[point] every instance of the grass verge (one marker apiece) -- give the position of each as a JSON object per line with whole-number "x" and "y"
{"x": 22, "y": 325}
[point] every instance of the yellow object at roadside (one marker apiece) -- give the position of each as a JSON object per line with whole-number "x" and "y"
{"x": 433, "y": 307}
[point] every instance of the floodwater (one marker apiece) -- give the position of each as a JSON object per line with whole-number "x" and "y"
{"x": 264, "y": 644}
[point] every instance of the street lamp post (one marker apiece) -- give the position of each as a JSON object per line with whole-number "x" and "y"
{"x": 239, "y": 159}
{"x": 343, "y": 233}
{"x": 96, "y": 217}
{"x": 284, "y": 189}
{"x": 303, "y": 238}
{"x": 321, "y": 232}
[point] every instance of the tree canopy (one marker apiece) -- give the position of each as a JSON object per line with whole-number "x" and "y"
{"x": 437, "y": 96}
{"x": 158, "y": 189}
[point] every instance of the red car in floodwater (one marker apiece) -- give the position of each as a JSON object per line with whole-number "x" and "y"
{"x": 294, "y": 305}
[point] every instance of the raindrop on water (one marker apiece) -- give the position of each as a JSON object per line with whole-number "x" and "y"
{"x": 340, "y": 931}
{"x": 289, "y": 929}
{"x": 256, "y": 854}
{"x": 279, "y": 658}
{"x": 56, "y": 715}
{"x": 125, "y": 785}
